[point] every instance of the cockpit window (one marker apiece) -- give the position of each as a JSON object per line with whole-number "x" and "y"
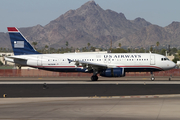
{"x": 164, "y": 59}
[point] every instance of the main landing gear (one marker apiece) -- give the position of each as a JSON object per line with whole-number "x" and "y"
{"x": 94, "y": 77}
{"x": 152, "y": 76}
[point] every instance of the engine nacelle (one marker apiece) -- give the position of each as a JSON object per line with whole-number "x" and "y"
{"x": 113, "y": 72}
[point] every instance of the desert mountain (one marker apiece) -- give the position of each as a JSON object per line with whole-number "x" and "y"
{"x": 147, "y": 36}
{"x": 4, "y": 40}
{"x": 92, "y": 24}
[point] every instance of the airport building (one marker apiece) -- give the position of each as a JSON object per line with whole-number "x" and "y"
{"x": 2, "y": 55}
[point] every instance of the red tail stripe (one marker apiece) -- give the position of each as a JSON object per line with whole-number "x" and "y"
{"x": 12, "y": 29}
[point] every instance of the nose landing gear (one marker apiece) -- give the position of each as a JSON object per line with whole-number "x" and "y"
{"x": 152, "y": 76}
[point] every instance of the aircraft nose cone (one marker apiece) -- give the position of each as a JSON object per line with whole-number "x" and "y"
{"x": 173, "y": 65}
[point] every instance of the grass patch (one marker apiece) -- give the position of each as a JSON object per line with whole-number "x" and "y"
{"x": 6, "y": 67}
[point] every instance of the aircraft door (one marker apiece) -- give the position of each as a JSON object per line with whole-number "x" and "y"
{"x": 152, "y": 59}
{"x": 39, "y": 60}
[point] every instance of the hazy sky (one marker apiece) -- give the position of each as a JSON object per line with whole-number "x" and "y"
{"x": 26, "y": 13}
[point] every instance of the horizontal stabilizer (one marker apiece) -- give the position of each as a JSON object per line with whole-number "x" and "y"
{"x": 16, "y": 57}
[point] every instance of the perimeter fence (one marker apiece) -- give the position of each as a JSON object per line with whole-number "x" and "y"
{"x": 43, "y": 73}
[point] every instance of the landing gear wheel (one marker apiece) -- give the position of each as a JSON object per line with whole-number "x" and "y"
{"x": 152, "y": 78}
{"x": 94, "y": 78}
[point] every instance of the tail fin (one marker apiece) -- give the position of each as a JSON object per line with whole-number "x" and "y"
{"x": 19, "y": 43}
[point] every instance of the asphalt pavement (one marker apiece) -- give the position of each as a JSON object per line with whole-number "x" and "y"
{"x": 80, "y": 98}
{"x": 87, "y": 88}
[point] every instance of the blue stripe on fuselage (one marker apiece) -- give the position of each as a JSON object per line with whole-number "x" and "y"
{"x": 84, "y": 70}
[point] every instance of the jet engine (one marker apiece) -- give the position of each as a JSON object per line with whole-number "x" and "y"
{"x": 113, "y": 72}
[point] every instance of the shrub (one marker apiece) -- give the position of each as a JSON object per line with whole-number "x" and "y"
{"x": 1, "y": 63}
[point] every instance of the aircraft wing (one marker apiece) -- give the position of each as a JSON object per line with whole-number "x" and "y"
{"x": 89, "y": 65}
{"x": 92, "y": 64}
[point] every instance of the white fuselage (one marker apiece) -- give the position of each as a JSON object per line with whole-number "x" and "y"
{"x": 131, "y": 62}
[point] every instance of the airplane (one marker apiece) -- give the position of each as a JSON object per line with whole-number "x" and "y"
{"x": 106, "y": 64}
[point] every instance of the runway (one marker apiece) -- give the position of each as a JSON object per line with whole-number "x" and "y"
{"x": 84, "y": 99}
{"x": 83, "y": 88}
